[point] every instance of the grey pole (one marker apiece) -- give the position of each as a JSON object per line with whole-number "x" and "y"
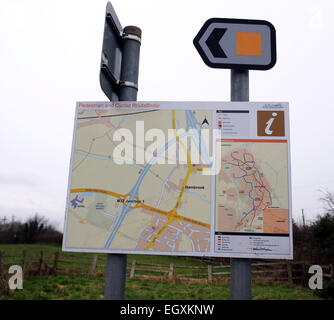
{"x": 239, "y": 85}
{"x": 241, "y": 285}
{"x": 116, "y": 263}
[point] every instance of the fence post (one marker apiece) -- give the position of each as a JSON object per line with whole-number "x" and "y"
{"x": 304, "y": 274}
{"x": 210, "y": 273}
{"x": 41, "y": 263}
{"x": 332, "y": 271}
{"x": 289, "y": 267}
{"x": 133, "y": 268}
{"x": 55, "y": 262}
{"x": 1, "y": 262}
{"x": 24, "y": 259}
{"x": 170, "y": 273}
{"x": 93, "y": 265}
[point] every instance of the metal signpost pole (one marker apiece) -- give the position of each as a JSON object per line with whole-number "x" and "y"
{"x": 240, "y": 267}
{"x": 130, "y": 64}
{"x": 116, "y": 263}
{"x": 240, "y": 45}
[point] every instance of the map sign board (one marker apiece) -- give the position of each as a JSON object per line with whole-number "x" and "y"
{"x": 180, "y": 178}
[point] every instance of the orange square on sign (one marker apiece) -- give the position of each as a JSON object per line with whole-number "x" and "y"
{"x": 249, "y": 44}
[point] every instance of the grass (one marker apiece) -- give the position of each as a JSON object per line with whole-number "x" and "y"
{"x": 65, "y": 287}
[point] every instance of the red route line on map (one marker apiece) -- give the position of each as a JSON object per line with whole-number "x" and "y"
{"x": 261, "y": 186}
{"x": 261, "y": 183}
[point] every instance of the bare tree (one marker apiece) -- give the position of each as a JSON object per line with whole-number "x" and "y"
{"x": 328, "y": 201}
{"x": 34, "y": 227}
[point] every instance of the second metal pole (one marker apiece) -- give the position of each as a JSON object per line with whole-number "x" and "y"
{"x": 241, "y": 282}
{"x": 116, "y": 263}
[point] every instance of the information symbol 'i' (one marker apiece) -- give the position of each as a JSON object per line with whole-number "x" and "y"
{"x": 269, "y": 123}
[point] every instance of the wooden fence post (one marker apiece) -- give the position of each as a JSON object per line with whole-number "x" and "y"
{"x": 92, "y": 271}
{"x": 289, "y": 267}
{"x": 332, "y": 271}
{"x": 24, "y": 259}
{"x": 210, "y": 273}
{"x": 1, "y": 262}
{"x": 55, "y": 263}
{"x": 41, "y": 263}
{"x": 170, "y": 273}
{"x": 133, "y": 268}
{"x": 304, "y": 273}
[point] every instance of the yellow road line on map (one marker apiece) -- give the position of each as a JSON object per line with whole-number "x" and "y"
{"x": 197, "y": 169}
{"x": 188, "y": 162}
{"x": 117, "y": 195}
{"x": 203, "y": 224}
{"x": 174, "y": 215}
{"x": 159, "y": 232}
{"x": 142, "y": 205}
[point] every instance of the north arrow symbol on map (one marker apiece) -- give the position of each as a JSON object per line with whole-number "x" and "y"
{"x": 237, "y": 44}
{"x": 205, "y": 121}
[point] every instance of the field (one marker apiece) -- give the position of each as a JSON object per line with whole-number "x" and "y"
{"x": 83, "y": 286}
{"x": 91, "y": 287}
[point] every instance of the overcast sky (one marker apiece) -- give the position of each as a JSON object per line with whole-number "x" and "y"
{"x": 49, "y": 59}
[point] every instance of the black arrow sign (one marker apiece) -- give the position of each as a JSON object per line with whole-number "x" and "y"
{"x": 213, "y": 43}
{"x": 217, "y": 43}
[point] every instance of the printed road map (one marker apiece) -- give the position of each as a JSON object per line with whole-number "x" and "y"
{"x": 151, "y": 206}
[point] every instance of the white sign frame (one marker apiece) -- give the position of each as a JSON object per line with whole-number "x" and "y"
{"x": 253, "y": 107}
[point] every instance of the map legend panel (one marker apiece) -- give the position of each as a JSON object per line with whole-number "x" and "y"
{"x": 248, "y": 244}
{"x": 233, "y": 122}
{"x": 222, "y": 244}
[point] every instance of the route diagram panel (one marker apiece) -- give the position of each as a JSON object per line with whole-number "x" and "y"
{"x": 180, "y": 178}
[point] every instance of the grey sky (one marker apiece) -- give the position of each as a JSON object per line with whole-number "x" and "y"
{"x": 50, "y": 54}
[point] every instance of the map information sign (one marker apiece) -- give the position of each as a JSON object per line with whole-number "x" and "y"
{"x": 180, "y": 178}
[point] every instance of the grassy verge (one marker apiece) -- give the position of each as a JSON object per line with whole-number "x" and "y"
{"x": 65, "y": 287}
